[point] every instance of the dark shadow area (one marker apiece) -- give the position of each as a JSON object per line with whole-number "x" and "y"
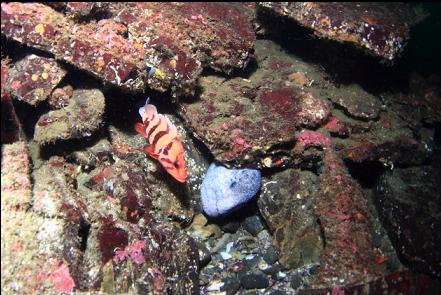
{"x": 245, "y": 73}
{"x": 366, "y": 173}
{"x": 67, "y": 146}
{"x": 347, "y": 64}
{"x": 122, "y": 107}
{"x": 16, "y": 51}
{"x": 231, "y": 221}
{"x": 28, "y": 115}
{"x": 437, "y": 133}
{"x": 83, "y": 234}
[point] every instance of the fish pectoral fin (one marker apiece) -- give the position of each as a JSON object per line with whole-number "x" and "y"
{"x": 140, "y": 129}
{"x": 150, "y": 150}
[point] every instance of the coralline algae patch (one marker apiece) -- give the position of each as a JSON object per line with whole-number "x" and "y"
{"x": 33, "y": 78}
{"x": 342, "y": 207}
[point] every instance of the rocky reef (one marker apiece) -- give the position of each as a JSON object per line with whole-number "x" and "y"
{"x": 311, "y": 137}
{"x": 382, "y": 31}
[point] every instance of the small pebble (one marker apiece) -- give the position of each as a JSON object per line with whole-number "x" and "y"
{"x": 253, "y": 225}
{"x": 255, "y": 280}
{"x": 231, "y": 285}
{"x": 270, "y": 255}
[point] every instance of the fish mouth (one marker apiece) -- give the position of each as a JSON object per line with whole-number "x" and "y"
{"x": 181, "y": 178}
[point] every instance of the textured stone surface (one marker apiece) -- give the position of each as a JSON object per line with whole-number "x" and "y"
{"x": 80, "y": 118}
{"x": 33, "y": 78}
{"x": 59, "y": 98}
{"x": 31, "y": 244}
{"x": 404, "y": 282}
{"x": 244, "y": 120}
{"x": 356, "y": 102}
{"x": 381, "y": 29}
{"x": 219, "y": 35}
{"x": 404, "y": 196}
{"x": 341, "y": 206}
{"x": 164, "y": 49}
{"x": 388, "y": 140}
{"x": 296, "y": 235}
{"x": 98, "y": 215}
{"x": 86, "y": 223}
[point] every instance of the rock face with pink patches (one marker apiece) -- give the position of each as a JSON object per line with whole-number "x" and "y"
{"x": 218, "y": 35}
{"x": 165, "y": 47}
{"x": 31, "y": 244}
{"x": 33, "y": 78}
{"x": 380, "y": 29}
{"x": 84, "y": 210}
{"x": 243, "y": 121}
{"x": 342, "y": 208}
{"x": 67, "y": 226}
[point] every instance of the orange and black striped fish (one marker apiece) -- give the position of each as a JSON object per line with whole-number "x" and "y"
{"x": 165, "y": 145}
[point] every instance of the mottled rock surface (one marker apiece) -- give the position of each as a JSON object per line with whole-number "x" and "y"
{"x": 76, "y": 228}
{"x": 244, "y": 120}
{"x": 296, "y": 234}
{"x": 31, "y": 246}
{"x": 356, "y": 102}
{"x": 341, "y": 206}
{"x": 404, "y": 196}
{"x": 91, "y": 212}
{"x": 381, "y": 29}
{"x": 33, "y": 78}
{"x": 80, "y": 118}
{"x": 164, "y": 48}
{"x": 404, "y": 282}
{"x": 388, "y": 140}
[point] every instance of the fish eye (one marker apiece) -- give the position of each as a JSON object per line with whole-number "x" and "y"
{"x": 176, "y": 164}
